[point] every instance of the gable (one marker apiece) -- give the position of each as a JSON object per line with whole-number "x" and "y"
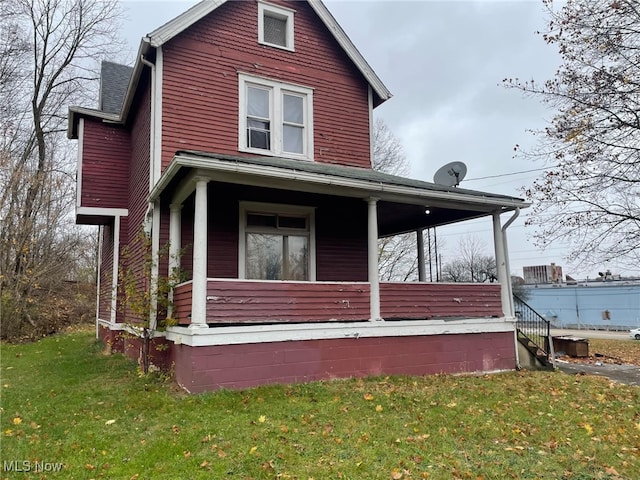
{"x": 179, "y": 24}
{"x": 206, "y": 67}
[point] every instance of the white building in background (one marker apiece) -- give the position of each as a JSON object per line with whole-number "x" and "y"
{"x": 542, "y": 274}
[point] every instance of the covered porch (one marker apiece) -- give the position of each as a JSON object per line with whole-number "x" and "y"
{"x": 320, "y": 311}
{"x": 196, "y": 183}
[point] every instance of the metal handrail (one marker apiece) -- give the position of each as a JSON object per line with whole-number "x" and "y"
{"x": 535, "y": 329}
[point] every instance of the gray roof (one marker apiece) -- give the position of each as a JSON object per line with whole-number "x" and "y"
{"x": 114, "y": 81}
{"x": 401, "y": 201}
{"x": 346, "y": 172}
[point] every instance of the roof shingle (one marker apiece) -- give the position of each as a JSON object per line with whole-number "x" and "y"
{"x": 114, "y": 80}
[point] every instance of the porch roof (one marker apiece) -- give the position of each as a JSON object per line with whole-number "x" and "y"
{"x": 402, "y": 201}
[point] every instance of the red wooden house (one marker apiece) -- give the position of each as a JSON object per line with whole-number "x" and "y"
{"x": 241, "y": 138}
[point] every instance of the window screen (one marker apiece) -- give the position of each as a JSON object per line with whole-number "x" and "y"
{"x": 275, "y": 30}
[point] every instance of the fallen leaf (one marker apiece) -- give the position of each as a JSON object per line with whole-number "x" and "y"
{"x": 17, "y": 421}
{"x": 367, "y": 396}
{"x": 588, "y": 428}
{"x": 396, "y": 474}
{"x": 109, "y": 422}
{"x": 253, "y": 450}
{"x": 379, "y": 408}
{"x": 262, "y": 418}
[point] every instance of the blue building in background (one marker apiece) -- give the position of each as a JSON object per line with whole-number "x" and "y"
{"x": 603, "y": 305}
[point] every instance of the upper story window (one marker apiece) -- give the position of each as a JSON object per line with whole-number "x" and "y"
{"x": 275, "y": 118}
{"x": 275, "y": 26}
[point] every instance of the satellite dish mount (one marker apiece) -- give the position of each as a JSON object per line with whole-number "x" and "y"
{"x": 450, "y": 174}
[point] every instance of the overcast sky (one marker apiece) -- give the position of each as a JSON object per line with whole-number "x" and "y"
{"x": 444, "y": 62}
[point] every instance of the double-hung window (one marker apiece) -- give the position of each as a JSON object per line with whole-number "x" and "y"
{"x": 276, "y": 242}
{"x": 275, "y": 118}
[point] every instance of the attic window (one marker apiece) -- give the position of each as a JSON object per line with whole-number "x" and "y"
{"x": 275, "y": 26}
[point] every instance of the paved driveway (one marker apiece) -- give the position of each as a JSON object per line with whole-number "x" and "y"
{"x": 627, "y": 374}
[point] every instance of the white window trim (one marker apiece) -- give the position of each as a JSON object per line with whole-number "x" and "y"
{"x": 278, "y": 11}
{"x": 276, "y": 94}
{"x": 276, "y": 208}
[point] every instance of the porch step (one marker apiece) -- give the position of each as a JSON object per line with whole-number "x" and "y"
{"x": 535, "y": 351}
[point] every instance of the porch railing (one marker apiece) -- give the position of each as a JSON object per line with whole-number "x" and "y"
{"x": 534, "y": 331}
{"x": 250, "y": 301}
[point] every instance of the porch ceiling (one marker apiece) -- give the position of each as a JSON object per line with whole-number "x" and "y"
{"x": 402, "y": 201}
{"x": 395, "y": 218}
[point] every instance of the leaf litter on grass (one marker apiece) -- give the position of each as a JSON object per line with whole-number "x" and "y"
{"x": 511, "y": 425}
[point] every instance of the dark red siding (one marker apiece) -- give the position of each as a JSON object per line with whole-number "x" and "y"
{"x": 432, "y": 300}
{"x": 106, "y": 150}
{"x": 200, "y": 84}
{"x": 106, "y": 273}
{"x": 341, "y": 231}
{"x": 269, "y": 302}
{"x": 237, "y": 301}
{"x": 182, "y": 303}
{"x": 135, "y": 253}
{"x": 341, "y": 240}
{"x": 199, "y": 369}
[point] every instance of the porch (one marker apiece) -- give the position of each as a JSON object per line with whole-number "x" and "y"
{"x": 314, "y": 307}
{"x": 285, "y": 332}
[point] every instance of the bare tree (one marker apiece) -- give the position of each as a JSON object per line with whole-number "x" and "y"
{"x": 589, "y": 193}
{"x": 388, "y": 153}
{"x": 471, "y": 264}
{"x": 50, "y": 51}
{"x": 397, "y": 255}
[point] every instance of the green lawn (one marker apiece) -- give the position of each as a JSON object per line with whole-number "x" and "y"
{"x": 63, "y": 401}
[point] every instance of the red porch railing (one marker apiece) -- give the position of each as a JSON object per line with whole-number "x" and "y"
{"x": 439, "y": 300}
{"x": 243, "y": 301}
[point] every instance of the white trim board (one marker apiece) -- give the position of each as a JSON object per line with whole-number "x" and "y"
{"x": 239, "y": 335}
{"x": 103, "y": 212}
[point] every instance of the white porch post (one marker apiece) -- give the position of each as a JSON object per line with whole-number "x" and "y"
{"x": 505, "y": 245}
{"x": 98, "y": 278}
{"x": 372, "y": 244}
{"x": 501, "y": 265}
{"x": 114, "y": 271}
{"x": 200, "y": 233}
{"x": 175, "y": 222}
{"x": 422, "y": 274}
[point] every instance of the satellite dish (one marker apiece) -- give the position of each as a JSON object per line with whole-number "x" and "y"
{"x": 450, "y": 174}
